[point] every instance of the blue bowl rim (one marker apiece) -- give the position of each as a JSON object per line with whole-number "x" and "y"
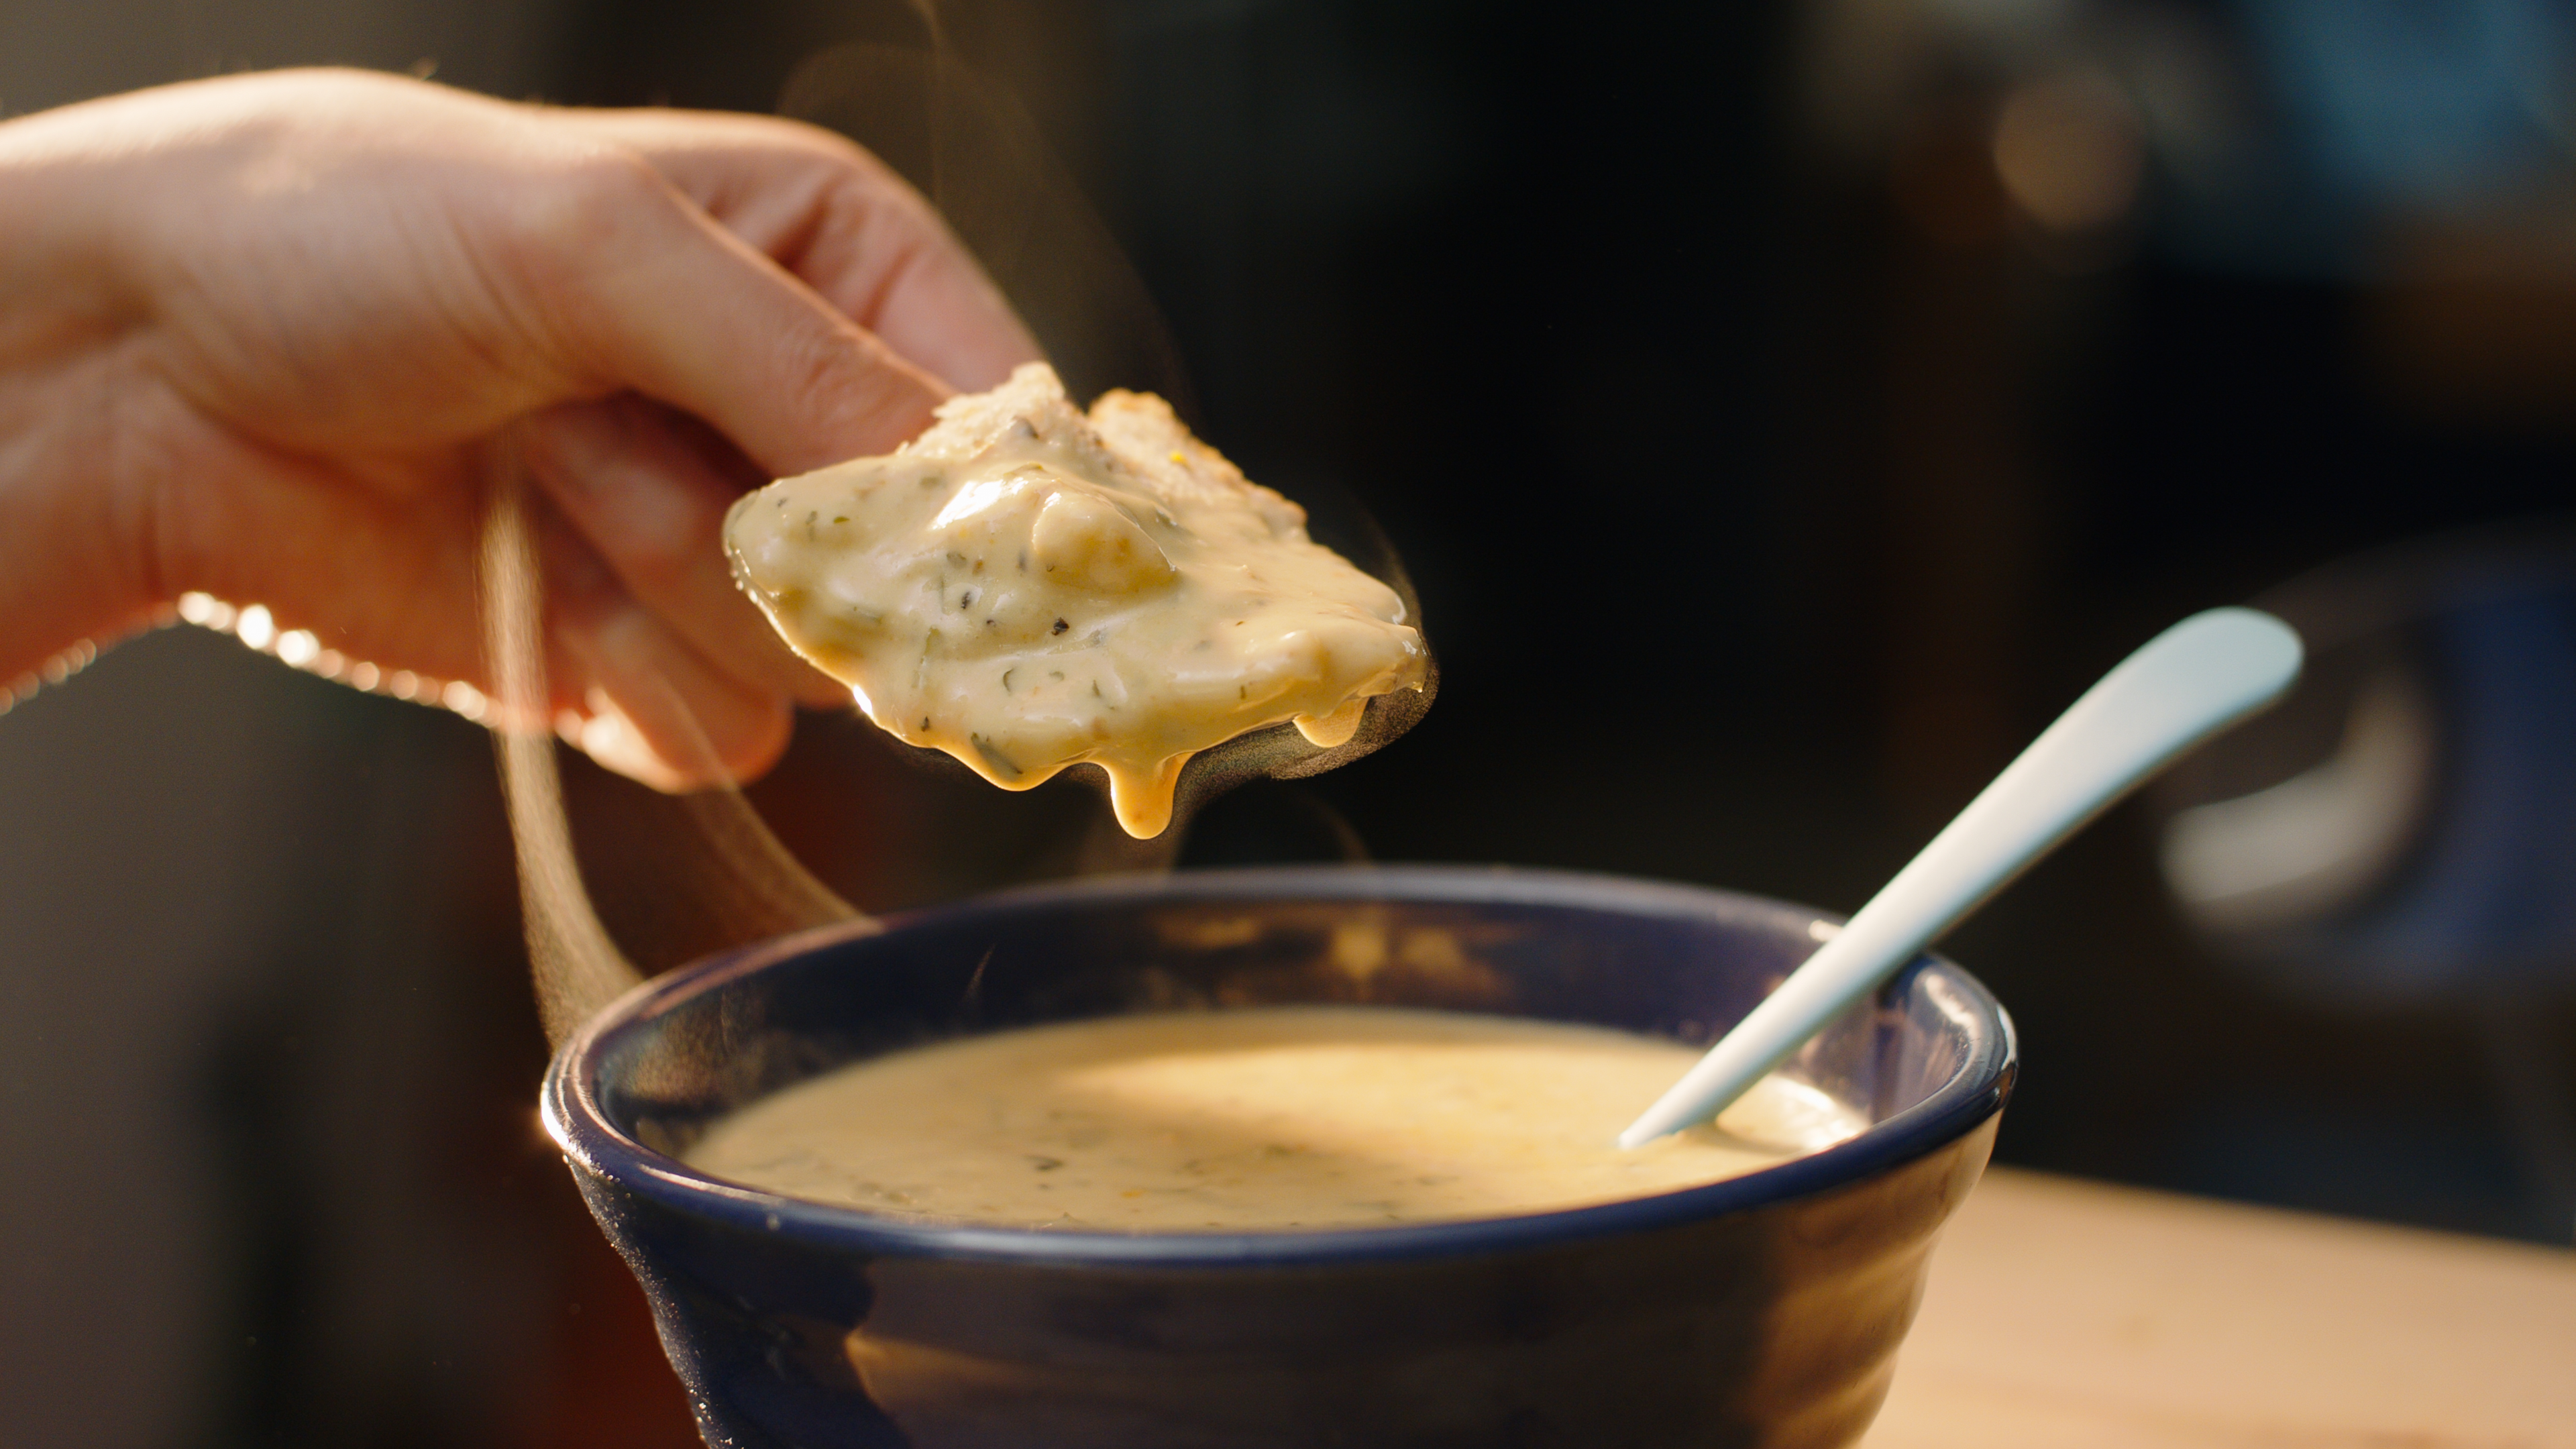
{"x": 575, "y": 1118}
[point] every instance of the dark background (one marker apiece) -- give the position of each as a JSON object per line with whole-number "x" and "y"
{"x": 1770, "y": 462}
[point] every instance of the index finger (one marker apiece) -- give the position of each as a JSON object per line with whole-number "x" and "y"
{"x": 842, "y": 222}
{"x": 634, "y": 287}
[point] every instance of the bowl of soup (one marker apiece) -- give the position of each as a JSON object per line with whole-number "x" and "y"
{"x": 1305, "y": 1156}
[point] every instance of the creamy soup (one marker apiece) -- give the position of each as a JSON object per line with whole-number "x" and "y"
{"x": 1028, "y": 587}
{"x": 1279, "y": 1117}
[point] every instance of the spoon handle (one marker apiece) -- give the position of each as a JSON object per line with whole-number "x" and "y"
{"x": 2188, "y": 683}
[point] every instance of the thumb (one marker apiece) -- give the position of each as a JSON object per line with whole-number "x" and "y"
{"x": 649, "y": 293}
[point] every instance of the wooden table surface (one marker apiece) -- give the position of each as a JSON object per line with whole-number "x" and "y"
{"x": 2071, "y": 1315}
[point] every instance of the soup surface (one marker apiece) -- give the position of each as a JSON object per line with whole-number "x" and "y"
{"x": 1269, "y": 1118}
{"x": 1029, "y": 587}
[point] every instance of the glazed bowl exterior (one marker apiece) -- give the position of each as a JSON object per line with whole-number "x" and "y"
{"x": 1761, "y": 1311}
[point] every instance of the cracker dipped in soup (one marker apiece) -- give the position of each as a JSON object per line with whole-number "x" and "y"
{"x": 1029, "y": 587}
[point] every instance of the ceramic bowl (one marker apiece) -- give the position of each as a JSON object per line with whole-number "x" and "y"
{"x": 1761, "y": 1311}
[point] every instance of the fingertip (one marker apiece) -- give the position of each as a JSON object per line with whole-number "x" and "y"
{"x": 606, "y": 732}
{"x": 659, "y": 714}
{"x": 844, "y": 394}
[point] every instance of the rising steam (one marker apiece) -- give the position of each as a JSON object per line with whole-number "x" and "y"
{"x": 967, "y": 145}
{"x": 755, "y": 886}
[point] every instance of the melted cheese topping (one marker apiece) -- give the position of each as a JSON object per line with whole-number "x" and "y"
{"x": 1029, "y": 588}
{"x": 1278, "y": 1117}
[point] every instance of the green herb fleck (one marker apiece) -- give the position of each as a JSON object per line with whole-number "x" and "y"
{"x": 1002, "y": 764}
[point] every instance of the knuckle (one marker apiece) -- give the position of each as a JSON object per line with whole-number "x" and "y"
{"x": 598, "y": 192}
{"x": 568, "y": 216}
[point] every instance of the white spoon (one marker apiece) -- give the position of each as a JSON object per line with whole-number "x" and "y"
{"x": 2188, "y": 683}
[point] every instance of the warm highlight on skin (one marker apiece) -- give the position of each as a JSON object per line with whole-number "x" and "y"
{"x": 273, "y": 337}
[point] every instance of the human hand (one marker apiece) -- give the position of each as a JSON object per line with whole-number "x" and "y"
{"x": 275, "y": 337}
